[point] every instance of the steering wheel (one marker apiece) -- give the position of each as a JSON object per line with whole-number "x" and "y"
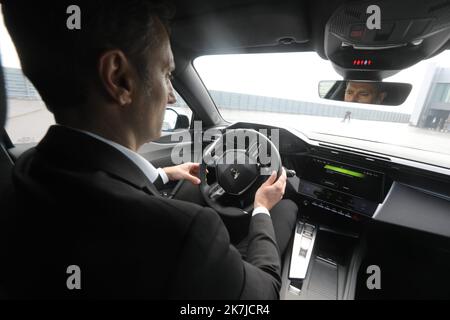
{"x": 239, "y": 170}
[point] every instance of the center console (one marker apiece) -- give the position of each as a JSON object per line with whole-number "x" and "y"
{"x": 321, "y": 264}
{"x": 326, "y": 250}
{"x": 304, "y": 238}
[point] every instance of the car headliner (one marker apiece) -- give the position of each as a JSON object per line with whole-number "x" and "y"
{"x": 203, "y": 27}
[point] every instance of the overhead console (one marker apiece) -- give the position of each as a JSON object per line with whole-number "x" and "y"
{"x": 360, "y": 52}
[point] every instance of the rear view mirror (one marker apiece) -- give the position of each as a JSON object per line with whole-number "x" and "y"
{"x": 369, "y": 92}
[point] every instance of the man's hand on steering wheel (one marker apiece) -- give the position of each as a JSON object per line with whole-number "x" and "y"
{"x": 186, "y": 171}
{"x": 271, "y": 191}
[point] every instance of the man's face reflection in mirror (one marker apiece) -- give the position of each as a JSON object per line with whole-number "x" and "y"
{"x": 364, "y": 92}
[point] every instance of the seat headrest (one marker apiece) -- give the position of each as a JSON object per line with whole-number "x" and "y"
{"x": 3, "y": 105}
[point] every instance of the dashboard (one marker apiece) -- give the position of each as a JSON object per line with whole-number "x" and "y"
{"x": 358, "y": 184}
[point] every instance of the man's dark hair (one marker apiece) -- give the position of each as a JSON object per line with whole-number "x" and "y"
{"x": 61, "y": 63}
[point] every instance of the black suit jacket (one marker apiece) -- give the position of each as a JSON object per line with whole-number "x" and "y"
{"x": 79, "y": 201}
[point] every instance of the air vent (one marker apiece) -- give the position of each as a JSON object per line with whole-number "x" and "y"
{"x": 360, "y": 155}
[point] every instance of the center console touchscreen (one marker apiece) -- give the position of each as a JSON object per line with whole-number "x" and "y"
{"x": 348, "y": 179}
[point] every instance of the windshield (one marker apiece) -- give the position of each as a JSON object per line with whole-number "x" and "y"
{"x": 282, "y": 89}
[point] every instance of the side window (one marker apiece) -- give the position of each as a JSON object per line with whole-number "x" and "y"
{"x": 28, "y": 118}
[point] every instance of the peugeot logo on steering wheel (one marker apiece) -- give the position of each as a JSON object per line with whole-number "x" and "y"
{"x": 235, "y": 173}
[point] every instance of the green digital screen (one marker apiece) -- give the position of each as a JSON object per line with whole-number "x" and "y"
{"x": 345, "y": 171}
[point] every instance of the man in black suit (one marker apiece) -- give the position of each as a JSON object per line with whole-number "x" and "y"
{"x": 84, "y": 197}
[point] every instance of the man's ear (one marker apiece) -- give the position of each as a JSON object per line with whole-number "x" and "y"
{"x": 117, "y": 77}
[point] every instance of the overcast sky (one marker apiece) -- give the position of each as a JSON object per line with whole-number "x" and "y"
{"x": 290, "y": 75}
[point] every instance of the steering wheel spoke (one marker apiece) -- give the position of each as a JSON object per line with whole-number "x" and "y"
{"x": 253, "y": 151}
{"x": 215, "y": 158}
{"x": 216, "y": 191}
{"x": 265, "y": 170}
